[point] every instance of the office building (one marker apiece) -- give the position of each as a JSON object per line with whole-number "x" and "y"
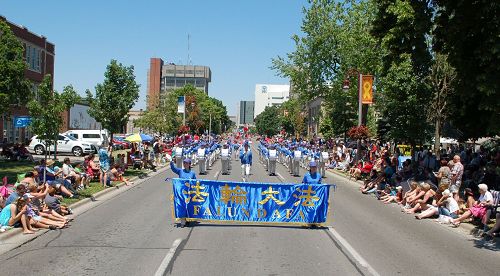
{"x": 245, "y": 113}
{"x": 39, "y": 55}
{"x": 166, "y": 77}
{"x": 270, "y": 95}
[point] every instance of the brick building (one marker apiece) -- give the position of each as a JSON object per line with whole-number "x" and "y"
{"x": 39, "y": 55}
{"x": 163, "y": 78}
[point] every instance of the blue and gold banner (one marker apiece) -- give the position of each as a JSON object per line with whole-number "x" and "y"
{"x": 250, "y": 202}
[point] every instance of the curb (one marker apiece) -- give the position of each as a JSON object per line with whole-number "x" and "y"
{"x": 465, "y": 226}
{"x": 16, "y": 231}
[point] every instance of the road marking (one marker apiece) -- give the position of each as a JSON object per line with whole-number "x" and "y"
{"x": 353, "y": 252}
{"x": 280, "y": 177}
{"x": 216, "y": 176}
{"x": 168, "y": 258}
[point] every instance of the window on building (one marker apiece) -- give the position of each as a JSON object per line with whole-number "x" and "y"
{"x": 277, "y": 98}
{"x": 200, "y": 73}
{"x": 190, "y": 72}
{"x": 33, "y": 56}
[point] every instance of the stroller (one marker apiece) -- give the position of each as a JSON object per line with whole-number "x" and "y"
{"x": 137, "y": 161}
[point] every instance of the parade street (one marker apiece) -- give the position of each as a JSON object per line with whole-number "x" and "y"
{"x": 132, "y": 233}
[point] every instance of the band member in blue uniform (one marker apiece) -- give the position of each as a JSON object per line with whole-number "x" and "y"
{"x": 184, "y": 173}
{"x": 312, "y": 177}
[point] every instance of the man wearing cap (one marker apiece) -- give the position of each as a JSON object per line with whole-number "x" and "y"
{"x": 312, "y": 177}
{"x": 246, "y": 159}
{"x": 185, "y": 173}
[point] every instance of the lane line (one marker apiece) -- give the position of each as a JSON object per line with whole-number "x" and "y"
{"x": 168, "y": 258}
{"x": 353, "y": 252}
{"x": 216, "y": 176}
{"x": 280, "y": 177}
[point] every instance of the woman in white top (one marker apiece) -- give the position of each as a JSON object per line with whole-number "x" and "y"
{"x": 450, "y": 207}
{"x": 480, "y": 208}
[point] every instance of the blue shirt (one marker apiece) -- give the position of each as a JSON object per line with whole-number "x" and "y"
{"x": 312, "y": 178}
{"x": 182, "y": 173}
{"x": 246, "y": 158}
{"x": 104, "y": 159}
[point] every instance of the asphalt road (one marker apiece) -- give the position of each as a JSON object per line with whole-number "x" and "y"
{"x": 132, "y": 232}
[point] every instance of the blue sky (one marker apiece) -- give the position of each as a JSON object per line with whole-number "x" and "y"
{"x": 237, "y": 39}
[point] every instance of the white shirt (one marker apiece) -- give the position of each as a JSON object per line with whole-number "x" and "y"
{"x": 486, "y": 197}
{"x": 67, "y": 169}
{"x": 452, "y": 205}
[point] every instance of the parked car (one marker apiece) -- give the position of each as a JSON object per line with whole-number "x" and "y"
{"x": 96, "y": 137}
{"x": 65, "y": 144}
{"x": 119, "y": 143}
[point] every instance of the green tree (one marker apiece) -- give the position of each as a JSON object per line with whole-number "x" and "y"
{"x": 336, "y": 39}
{"x": 292, "y": 117}
{"x": 46, "y": 111}
{"x": 442, "y": 78}
{"x": 200, "y": 108}
{"x": 315, "y": 61}
{"x": 14, "y": 87}
{"x": 268, "y": 122}
{"x": 468, "y": 32}
{"x": 114, "y": 97}
{"x": 154, "y": 121}
{"x": 402, "y": 28}
{"x": 402, "y": 105}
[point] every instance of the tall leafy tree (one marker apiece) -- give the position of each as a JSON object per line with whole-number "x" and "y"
{"x": 47, "y": 109}
{"x": 14, "y": 87}
{"x": 315, "y": 61}
{"x": 468, "y": 32}
{"x": 442, "y": 78}
{"x": 268, "y": 122}
{"x": 402, "y": 28}
{"x": 336, "y": 40}
{"x": 292, "y": 117}
{"x": 114, "y": 97}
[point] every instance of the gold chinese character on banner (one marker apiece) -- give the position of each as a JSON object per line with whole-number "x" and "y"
{"x": 307, "y": 198}
{"x": 270, "y": 195}
{"x": 197, "y": 192}
{"x": 236, "y": 195}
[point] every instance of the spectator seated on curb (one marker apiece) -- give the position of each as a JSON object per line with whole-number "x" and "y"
{"x": 53, "y": 203}
{"x": 53, "y": 178}
{"x": 412, "y": 200}
{"x": 395, "y": 195}
{"x": 37, "y": 203}
{"x": 410, "y": 193}
{"x": 433, "y": 209}
{"x": 91, "y": 167}
{"x": 447, "y": 207}
{"x": 116, "y": 175}
{"x": 85, "y": 179}
{"x": 355, "y": 171}
{"x": 479, "y": 209}
{"x": 34, "y": 218}
{"x": 14, "y": 214}
{"x": 69, "y": 174}
{"x": 425, "y": 202}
